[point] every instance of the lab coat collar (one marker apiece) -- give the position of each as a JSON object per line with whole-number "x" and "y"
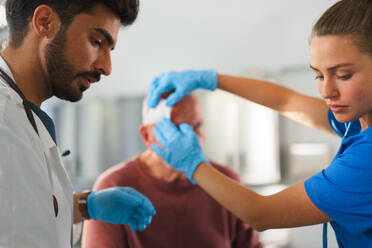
{"x": 14, "y": 96}
{"x": 44, "y": 135}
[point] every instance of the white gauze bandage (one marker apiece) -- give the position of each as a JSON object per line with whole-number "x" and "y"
{"x": 153, "y": 115}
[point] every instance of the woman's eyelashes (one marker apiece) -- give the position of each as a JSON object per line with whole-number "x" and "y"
{"x": 318, "y": 77}
{"x": 342, "y": 77}
{"x": 345, "y": 77}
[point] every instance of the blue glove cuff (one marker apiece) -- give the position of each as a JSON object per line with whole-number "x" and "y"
{"x": 90, "y": 206}
{"x": 209, "y": 79}
{"x": 193, "y": 167}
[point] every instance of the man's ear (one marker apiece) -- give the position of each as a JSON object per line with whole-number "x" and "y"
{"x": 144, "y": 135}
{"x": 45, "y": 22}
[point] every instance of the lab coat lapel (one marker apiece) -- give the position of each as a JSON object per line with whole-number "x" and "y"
{"x": 60, "y": 183}
{"x": 61, "y": 186}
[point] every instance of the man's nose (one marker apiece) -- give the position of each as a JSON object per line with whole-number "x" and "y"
{"x": 103, "y": 63}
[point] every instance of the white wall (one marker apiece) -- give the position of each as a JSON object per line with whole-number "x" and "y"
{"x": 230, "y": 36}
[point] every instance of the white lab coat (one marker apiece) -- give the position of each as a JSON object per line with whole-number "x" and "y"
{"x": 31, "y": 172}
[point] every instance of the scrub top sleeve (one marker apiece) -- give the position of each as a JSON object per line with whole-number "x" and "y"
{"x": 343, "y": 191}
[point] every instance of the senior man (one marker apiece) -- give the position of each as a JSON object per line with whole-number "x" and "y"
{"x": 186, "y": 215}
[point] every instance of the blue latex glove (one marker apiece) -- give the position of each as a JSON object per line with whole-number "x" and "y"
{"x": 182, "y": 83}
{"x": 182, "y": 149}
{"x": 121, "y": 205}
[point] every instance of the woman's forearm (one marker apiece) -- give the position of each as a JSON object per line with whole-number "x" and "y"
{"x": 238, "y": 199}
{"x": 288, "y": 208}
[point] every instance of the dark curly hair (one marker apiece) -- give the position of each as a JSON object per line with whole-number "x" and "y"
{"x": 20, "y": 12}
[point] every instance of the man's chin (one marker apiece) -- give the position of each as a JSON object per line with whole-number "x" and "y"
{"x": 70, "y": 97}
{"x": 160, "y": 159}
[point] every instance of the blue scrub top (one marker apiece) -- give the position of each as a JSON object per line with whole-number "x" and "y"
{"x": 343, "y": 191}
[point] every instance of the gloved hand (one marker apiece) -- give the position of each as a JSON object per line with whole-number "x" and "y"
{"x": 121, "y": 205}
{"x": 181, "y": 147}
{"x": 182, "y": 82}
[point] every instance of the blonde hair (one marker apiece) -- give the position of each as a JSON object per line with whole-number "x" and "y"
{"x": 351, "y": 18}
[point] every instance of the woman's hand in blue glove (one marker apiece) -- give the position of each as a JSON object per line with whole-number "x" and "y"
{"x": 182, "y": 83}
{"x": 121, "y": 205}
{"x": 181, "y": 147}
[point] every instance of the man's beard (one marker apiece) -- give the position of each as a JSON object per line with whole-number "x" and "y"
{"x": 61, "y": 73}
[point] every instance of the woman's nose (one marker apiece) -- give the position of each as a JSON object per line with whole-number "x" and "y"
{"x": 328, "y": 88}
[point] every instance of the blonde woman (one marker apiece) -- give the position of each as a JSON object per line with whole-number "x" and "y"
{"x": 341, "y": 57}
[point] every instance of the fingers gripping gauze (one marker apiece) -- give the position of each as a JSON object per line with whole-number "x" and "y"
{"x": 153, "y": 115}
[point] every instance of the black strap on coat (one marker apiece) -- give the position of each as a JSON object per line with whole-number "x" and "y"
{"x": 30, "y": 117}
{"x": 27, "y": 107}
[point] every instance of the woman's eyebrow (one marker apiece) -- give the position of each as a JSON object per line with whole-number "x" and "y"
{"x": 333, "y": 67}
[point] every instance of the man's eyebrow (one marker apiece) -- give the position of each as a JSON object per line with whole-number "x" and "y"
{"x": 333, "y": 67}
{"x": 107, "y": 36}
